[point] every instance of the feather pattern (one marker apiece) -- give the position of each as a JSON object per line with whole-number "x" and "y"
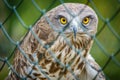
{"x": 68, "y": 49}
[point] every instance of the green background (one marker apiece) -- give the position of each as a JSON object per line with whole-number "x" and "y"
{"x": 29, "y": 14}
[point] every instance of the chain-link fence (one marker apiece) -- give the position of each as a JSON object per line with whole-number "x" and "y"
{"x": 13, "y": 25}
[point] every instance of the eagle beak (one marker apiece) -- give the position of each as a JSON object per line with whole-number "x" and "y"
{"x": 75, "y": 31}
{"x": 74, "y": 26}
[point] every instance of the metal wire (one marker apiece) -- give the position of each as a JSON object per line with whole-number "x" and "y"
{"x": 107, "y": 22}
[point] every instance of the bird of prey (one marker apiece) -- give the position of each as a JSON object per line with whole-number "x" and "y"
{"x": 58, "y": 46}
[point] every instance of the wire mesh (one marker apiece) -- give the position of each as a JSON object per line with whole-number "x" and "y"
{"x": 14, "y": 10}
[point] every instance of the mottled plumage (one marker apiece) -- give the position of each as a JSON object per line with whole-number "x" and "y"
{"x": 68, "y": 32}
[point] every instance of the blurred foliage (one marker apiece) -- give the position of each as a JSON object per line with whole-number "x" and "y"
{"x": 30, "y": 15}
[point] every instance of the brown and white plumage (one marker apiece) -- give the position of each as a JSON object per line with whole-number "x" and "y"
{"x": 70, "y": 47}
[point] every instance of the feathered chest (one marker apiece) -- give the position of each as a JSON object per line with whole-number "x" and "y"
{"x": 52, "y": 63}
{"x": 64, "y": 52}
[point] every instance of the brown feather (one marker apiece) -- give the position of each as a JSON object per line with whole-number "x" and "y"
{"x": 40, "y": 57}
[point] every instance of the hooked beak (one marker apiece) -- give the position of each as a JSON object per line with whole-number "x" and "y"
{"x": 74, "y": 26}
{"x": 75, "y": 31}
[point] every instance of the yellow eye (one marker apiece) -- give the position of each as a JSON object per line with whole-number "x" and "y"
{"x": 86, "y": 20}
{"x": 63, "y": 20}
